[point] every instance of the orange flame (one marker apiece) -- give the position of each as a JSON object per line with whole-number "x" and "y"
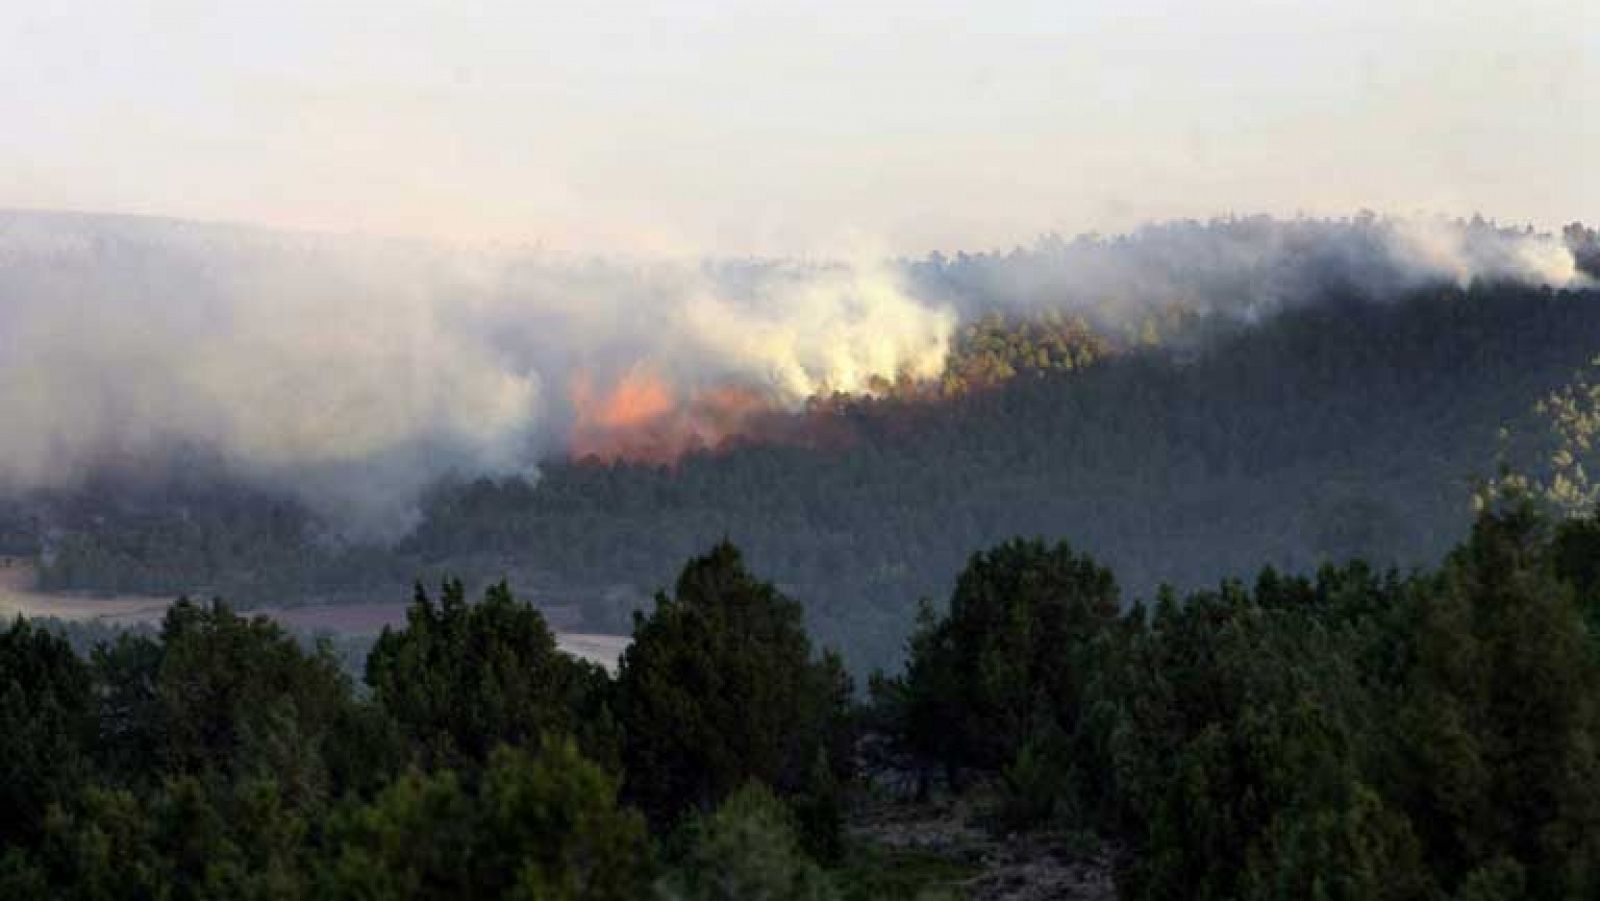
{"x": 642, "y": 419}
{"x": 638, "y": 398}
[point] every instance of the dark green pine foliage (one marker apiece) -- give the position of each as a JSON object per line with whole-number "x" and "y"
{"x": 1499, "y": 732}
{"x": 46, "y": 723}
{"x": 540, "y": 827}
{"x": 239, "y": 695}
{"x": 131, "y": 739}
{"x": 720, "y": 687}
{"x": 1351, "y": 736}
{"x": 750, "y": 847}
{"x": 192, "y": 838}
{"x": 461, "y": 679}
{"x": 1007, "y": 665}
{"x": 1576, "y": 555}
{"x": 1226, "y": 737}
{"x": 1354, "y": 735}
{"x": 215, "y": 755}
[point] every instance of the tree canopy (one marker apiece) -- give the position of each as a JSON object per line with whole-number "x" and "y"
{"x": 720, "y": 687}
{"x": 464, "y": 678}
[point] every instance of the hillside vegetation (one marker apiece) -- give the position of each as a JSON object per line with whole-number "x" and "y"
{"x": 1334, "y": 429}
{"x": 1355, "y": 735}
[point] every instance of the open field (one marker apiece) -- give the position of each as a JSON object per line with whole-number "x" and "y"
{"x": 20, "y": 597}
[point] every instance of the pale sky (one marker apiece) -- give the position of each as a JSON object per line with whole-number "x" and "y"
{"x": 796, "y": 128}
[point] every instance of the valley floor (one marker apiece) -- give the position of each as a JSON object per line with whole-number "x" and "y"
{"x": 20, "y": 596}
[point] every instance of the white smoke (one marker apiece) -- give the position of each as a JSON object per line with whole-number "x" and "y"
{"x": 1465, "y": 252}
{"x": 357, "y": 371}
{"x": 822, "y": 329}
{"x": 333, "y": 366}
{"x": 1244, "y": 267}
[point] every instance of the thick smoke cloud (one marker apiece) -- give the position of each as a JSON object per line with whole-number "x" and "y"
{"x": 333, "y": 367}
{"x": 358, "y": 371}
{"x": 820, "y": 329}
{"x": 355, "y": 372}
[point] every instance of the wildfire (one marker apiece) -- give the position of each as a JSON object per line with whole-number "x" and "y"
{"x": 641, "y": 418}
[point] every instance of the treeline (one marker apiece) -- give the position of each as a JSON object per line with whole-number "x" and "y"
{"x": 1355, "y": 735}
{"x": 220, "y": 759}
{"x": 1170, "y": 462}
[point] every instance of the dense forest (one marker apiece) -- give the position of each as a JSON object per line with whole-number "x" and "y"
{"x": 1358, "y": 734}
{"x": 1169, "y": 458}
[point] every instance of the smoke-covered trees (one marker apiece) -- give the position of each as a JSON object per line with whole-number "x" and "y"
{"x": 1585, "y": 246}
{"x": 995, "y": 349}
{"x": 720, "y": 687}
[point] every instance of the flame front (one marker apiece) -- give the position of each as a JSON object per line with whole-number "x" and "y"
{"x": 642, "y": 418}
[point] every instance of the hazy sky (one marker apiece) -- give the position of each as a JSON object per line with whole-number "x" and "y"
{"x": 797, "y": 127}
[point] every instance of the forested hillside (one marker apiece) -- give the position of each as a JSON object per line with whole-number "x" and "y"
{"x": 1351, "y": 426}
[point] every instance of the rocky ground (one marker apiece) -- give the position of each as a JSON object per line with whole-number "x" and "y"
{"x": 947, "y": 842}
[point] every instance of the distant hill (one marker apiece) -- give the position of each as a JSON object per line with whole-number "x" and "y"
{"x": 1348, "y": 427}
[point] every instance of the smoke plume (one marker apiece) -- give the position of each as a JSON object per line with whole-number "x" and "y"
{"x": 355, "y": 371}
{"x": 1243, "y": 268}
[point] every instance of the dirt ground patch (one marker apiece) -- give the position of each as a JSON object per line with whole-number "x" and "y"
{"x": 1005, "y": 867}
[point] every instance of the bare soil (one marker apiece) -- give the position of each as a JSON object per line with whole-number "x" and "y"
{"x": 1032, "y": 867}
